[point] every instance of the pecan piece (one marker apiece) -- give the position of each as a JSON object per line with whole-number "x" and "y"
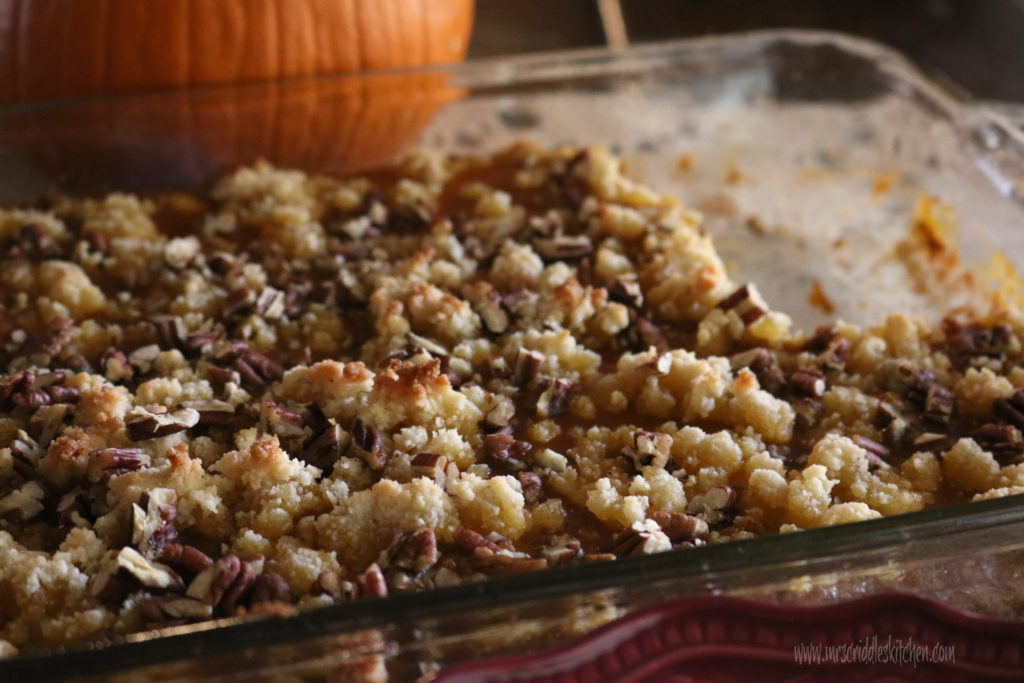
{"x": 212, "y": 412}
{"x": 281, "y": 420}
{"x": 649, "y": 449}
{"x": 680, "y": 527}
{"x": 563, "y": 247}
{"x": 498, "y": 418}
{"x": 413, "y": 551}
{"x": 185, "y": 559}
{"x": 714, "y": 506}
{"x": 329, "y": 583}
{"x": 532, "y": 486}
{"x": 107, "y": 463}
{"x": 168, "y": 609}
{"x": 641, "y": 538}
{"x": 270, "y": 587}
{"x": 644, "y": 334}
{"x": 143, "y": 358}
{"x": 153, "y": 519}
{"x": 747, "y": 302}
{"x": 223, "y": 584}
{"x": 47, "y": 422}
{"x": 143, "y": 425}
{"x": 371, "y": 583}
{"x": 270, "y": 303}
{"x": 503, "y": 447}
{"x": 810, "y": 383}
{"x": 626, "y": 291}
{"x": 554, "y": 397}
{"x": 115, "y": 366}
{"x": 324, "y": 447}
{"x": 527, "y": 366}
{"x": 170, "y": 331}
{"x": 435, "y": 467}
{"x": 127, "y": 563}
{"x": 369, "y": 445}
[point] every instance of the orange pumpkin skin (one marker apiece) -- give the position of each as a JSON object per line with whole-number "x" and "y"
{"x": 64, "y": 48}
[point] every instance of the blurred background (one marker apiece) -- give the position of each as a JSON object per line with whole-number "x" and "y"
{"x": 976, "y": 44}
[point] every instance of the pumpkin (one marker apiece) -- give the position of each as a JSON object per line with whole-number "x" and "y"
{"x": 64, "y": 48}
{"x": 184, "y": 139}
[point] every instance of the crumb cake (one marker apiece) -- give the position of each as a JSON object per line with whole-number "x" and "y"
{"x": 300, "y": 390}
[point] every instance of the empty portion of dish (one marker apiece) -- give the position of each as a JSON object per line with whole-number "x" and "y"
{"x": 301, "y": 390}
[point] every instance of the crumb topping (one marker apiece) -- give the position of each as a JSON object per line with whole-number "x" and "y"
{"x": 298, "y": 390}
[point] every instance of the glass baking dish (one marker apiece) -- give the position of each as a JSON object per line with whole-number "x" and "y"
{"x": 803, "y": 148}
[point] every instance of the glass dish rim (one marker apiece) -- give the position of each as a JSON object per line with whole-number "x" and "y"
{"x": 208, "y": 638}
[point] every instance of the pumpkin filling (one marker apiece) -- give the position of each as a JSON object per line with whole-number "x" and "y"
{"x": 300, "y": 390}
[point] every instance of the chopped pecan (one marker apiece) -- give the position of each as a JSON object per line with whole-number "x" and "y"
{"x": 493, "y": 316}
{"x": 212, "y": 412}
{"x": 435, "y": 467}
{"x": 107, "y": 463}
{"x": 167, "y": 609}
{"x": 680, "y": 527}
{"x": 885, "y": 415}
{"x": 270, "y": 303}
{"x": 186, "y": 559}
{"x": 127, "y": 563}
{"x": 143, "y": 425}
{"x": 468, "y": 541}
{"x": 414, "y": 551}
{"x": 323, "y": 448}
{"x": 143, "y": 358}
{"x": 641, "y": 538}
{"x": 554, "y": 397}
{"x": 532, "y": 486}
{"x": 876, "y": 452}
{"x": 329, "y": 583}
{"x": 933, "y": 441}
{"x": 371, "y": 583}
{"x": 220, "y": 377}
{"x": 504, "y": 447}
{"x": 938, "y": 405}
{"x": 808, "y": 412}
{"x": 563, "y": 247}
{"x": 823, "y": 337}
{"x": 73, "y": 510}
{"x": 200, "y": 343}
{"x": 834, "y": 356}
{"x": 270, "y": 587}
{"x": 644, "y": 334}
{"x": 1010, "y": 409}
{"x": 649, "y": 449}
{"x": 747, "y": 302}
{"x": 527, "y": 366}
{"x": 498, "y": 418}
{"x": 62, "y": 393}
{"x": 223, "y": 584}
{"x": 418, "y": 341}
{"x": 626, "y": 291}
{"x": 757, "y": 359}
{"x": 281, "y": 420}
{"x": 809, "y": 383}
{"x": 47, "y": 422}
{"x": 153, "y": 519}
{"x": 115, "y": 366}
{"x": 369, "y": 445}
{"x": 713, "y": 506}
{"x": 170, "y": 331}
{"x": 25, "y": 454}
